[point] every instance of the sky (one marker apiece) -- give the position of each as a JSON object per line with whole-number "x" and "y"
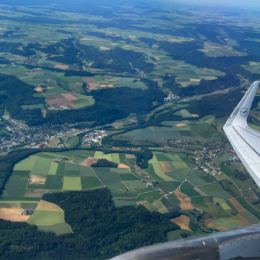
{"x": 234, "y": 3}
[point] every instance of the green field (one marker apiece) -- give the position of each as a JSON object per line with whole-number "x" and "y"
{"x": 90, "y": 182}
{"x": 122, "y": 203}
{"x": 54, "y": 182}
{"x": 46, "y": 218}
{"x": 41, "y": 166}
{"x": 227, "y": 222}
{"x": 133, "y": 185}
{"x": 72, "y": 183}
{"x": 27, "y": 164}
{"x": 15, "y": 186}
{"x": 58, "y": 229}
{"x": 53, "y": 168}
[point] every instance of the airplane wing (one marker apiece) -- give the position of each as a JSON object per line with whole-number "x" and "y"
{"x": 244, "y": 139}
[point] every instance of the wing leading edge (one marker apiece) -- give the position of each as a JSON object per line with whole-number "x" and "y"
{"x": 244, "y": 139}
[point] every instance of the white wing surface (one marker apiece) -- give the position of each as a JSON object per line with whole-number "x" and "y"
{"x": 244, "y": 139}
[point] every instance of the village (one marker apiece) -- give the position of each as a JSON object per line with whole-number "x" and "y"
{"x": 20, "y": 135}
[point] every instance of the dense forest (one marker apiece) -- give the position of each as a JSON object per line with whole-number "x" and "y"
{"x": 100, "y": 230}
{"x": 110, "y": 105}
{"x": 104, "y": 163}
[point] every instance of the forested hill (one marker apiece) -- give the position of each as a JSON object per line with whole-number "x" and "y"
{"x": 110, "y": 104}
{"x": 100, "y": 230}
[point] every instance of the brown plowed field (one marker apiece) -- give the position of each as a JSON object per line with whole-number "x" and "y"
{"x": 69, "y": 96}
{"x": 182, "y": 221}
{"x": 86, "y": 80}
{"x": 45, "y": 205}
{"x": 163, "y": 167}
{"x": 184, "y": 199}
{"x": 13, "y": 215}
{"x": 242, "y": 220}
{"x": 89, "y": 161}
{"x": 237, "y": 205}
{"x": 122, "y": 166}
{"x": 63, "y": 67}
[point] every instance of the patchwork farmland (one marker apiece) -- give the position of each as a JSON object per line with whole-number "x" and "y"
{"x": 169, "y": 183}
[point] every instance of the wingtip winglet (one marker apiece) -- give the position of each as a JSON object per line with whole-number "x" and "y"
{"x": 241, "y": 112}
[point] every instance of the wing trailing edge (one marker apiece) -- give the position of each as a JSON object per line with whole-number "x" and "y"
{"x": 244, "y": 139}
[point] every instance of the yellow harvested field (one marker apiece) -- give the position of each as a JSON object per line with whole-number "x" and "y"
{"x": 104, "y": 48}
{"x": 184, "y": 199}
{"x": 180, "y": 125}
{"x": 103, "y": 86}
{"x": 37, "y": 179}
{"x": 122, "y": 166}
{"x": 13, "y": 215}
{"x": 44, "y": 113}
{"x": 45, "y": 205}
{"x": 223, "y": 91}
{"x": 63, "y": 67}
{"x": 196, "y": 80}
{"x": 185, "y": 165}
{"x": 237, "y": 205}
{"x": 163, "y": 167}
{"x": 110, "y": 85}
{"x": 132, "y": 36}
{"x": 130, "y": 156}
{"x": 182, "y": 221}
{"x": 195, "y": 115}
{"x": 89, "y": 161}
{"x": 86, "y": 39}
{"x": 241, "y": 220}
{"x": 1, "y": 29}
{"x": 38, "y": 89}
{"x": 114, "y": 43}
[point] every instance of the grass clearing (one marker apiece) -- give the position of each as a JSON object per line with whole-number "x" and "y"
{"x": 72, "y": 183}
{"x": 46, "y": 218}
{"x": 58, "y": 229}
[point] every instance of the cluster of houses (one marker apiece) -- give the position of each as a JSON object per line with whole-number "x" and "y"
{"x": 171, "y": 97}
{"x": 27, "y": 211}
{"x": 94, "y": 136}
{"x": 57, "y": 160}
